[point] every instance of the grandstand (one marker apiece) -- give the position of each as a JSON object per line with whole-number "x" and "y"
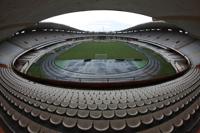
{"x": 123, "y": 97}
{"x": 166, "y": 107}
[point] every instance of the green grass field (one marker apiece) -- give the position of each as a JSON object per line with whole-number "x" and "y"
{"x": 112, "y": 50}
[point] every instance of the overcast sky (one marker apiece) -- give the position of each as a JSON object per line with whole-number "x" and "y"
{"x": 100, "y": 20}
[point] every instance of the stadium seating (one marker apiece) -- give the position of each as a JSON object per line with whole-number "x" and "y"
{"x": 27, "y": 106}
{"x": 172, "y": 104}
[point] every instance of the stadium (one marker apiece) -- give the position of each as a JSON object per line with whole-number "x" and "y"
{"x": 56, "y": 78}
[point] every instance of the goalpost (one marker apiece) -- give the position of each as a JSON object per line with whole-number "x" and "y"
{"x": 100, "y": 56}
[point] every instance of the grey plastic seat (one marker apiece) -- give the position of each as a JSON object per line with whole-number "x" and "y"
{"x": 133, "y": 122}
{"x": 118, "y": 124}
{"x": 160, "y": 105}
{"x": 122, "y": 105}
{"x": 131, "y": 104}
{"x": 154, "y": 100}
{"x": 108, "y": 114}
{"x": 61, "y": 110}
{"x": 23, "y": 121}
{"x": 52, "y": 108}
{"x": 186, "y": 115}
{"x": 97, "y": 101}
{"x": 16, "y": 116}
{"x": 84, "y": 124}
{"x": 101, "y": 125}
{"x": 158, "y": 115}
{"x": 166, "y": 102}
{"x": 57, "y": 102}
{"x": 106, "y": 101}
{"x": 71, "y": 112}
{"x": 140, "y": 103}
{"x": 132, "y": 111}
{"x": 82, "y": 106}
{"x": 35, "y": 112}
{"x": 147, "y": 102}
{"x": 56, "y": 119}
{"x": 178, "y": 122}
{"x": 69, "y": 122}
{"x": 44, "y": 115}
{"x": 167, "y": 112}
{"x": 50, "y": 101}
{"x": 92, "y": 106}
{"x": 28, "y": 109}
{"x": 73, "y": 105}
{"x": 36, "y": 104}
{"x": 102, "y": 106}
{"x": 120, "y": 113}
{"x": 112, "y": 106}
{"x": 10, "y": 111}
{"x": 147, "y": 119}
{"x": 33, "y": 127}
{"x": 175, "y": 108}
{"x": 83, "y": 113}
{"x": 43, "y": 106}
{"x": 64, "y": 103}
{"x": 143, "y": 110}
{"x": 95, "y": 114}
{"x": 166, "y": 127}
{"x": 151, "y": 108}
{"x": 22, "y": 105}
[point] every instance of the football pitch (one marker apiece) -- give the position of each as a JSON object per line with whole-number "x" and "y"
{"x": 101, "y": 50}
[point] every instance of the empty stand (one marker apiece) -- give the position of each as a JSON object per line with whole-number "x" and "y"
{"x": 130, "y": 109}
{"x": 27, "y": 106}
